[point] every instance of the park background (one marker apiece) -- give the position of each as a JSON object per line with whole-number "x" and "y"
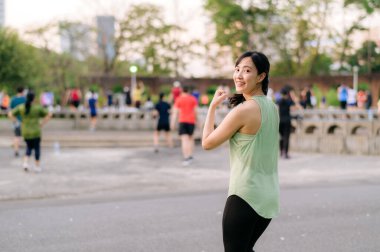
{"x": 93, "y": 44}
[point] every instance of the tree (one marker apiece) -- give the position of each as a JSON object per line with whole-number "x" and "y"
{"x": 61, "y": 70}
{"x": 142, "y": 33}
{"x": 367, "y": 58}
{"x": 370, "y": 6}
{"x": 291, "y": 31}
{"x": 19, "y": 62}
{"x": 237, "y": 27}
{"x": 344, "y": 43}
{"x": 145, "y": 37}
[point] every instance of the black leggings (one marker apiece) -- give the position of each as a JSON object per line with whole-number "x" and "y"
{"x": 242, "y": 226}
{"x": 33, "y": 144}
{"x": 285, "y": 130}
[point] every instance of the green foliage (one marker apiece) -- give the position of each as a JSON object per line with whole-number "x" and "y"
{"x": 298, "y": 32}
{"x": 236, "y": 24}
{"x": 211, "y": 90}
{"x": 102, "y": 100}
{"x": 317, "y": 93}
{"x": 363, "y": 86}
{"x": 146, "y": 93}
{"x": 321, "y": 65}
{"x": 95, "y": 88}
{"x": 118, "y": 88}
{"x": 19, "y": 62}
{"x": 367, "y": 55}
{"x": 368, "y": 5}
{"x": 332, "y": 97}
{"x": 166, "y": 89}
{"x": 282, "y": 68}
{"x": 144, "y": 32}
{"x": 315, "y": 65}
{"x": 155, "y": 98}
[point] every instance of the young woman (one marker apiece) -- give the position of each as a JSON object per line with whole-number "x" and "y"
{"x": 31, "y": 128}
{"x": 252, "y": 130}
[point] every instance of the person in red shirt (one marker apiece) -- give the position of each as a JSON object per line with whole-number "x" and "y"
{"x": 186, "y": 106}
{"x": 361, "y": 98}
{"x": 176, "y": 91}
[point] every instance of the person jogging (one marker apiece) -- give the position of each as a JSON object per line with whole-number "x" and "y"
{"x": 31, "y": 128}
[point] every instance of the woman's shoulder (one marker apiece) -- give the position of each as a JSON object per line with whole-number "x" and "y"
{"x": 247, "y": 109}
{"x": 249, "y": 106}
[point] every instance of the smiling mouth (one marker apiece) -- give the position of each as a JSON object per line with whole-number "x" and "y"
{"x": 240, "y": 84}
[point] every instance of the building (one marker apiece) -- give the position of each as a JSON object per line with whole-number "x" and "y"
{"x": 75, "y": 39}
{"x": 106, "y": 36}
{"x": 2, "y": 13}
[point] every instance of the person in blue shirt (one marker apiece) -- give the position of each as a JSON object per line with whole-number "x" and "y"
{"x": 92, "y": 104}
{"x": 16, "y": 100}
{"x": 343, "y": 96}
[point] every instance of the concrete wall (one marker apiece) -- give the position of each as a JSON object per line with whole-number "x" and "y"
{"x": 324, "y": 131}
{"x": 354, "y": 132}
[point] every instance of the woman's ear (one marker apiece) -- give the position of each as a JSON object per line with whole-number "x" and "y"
{"x": 261, "y": 77}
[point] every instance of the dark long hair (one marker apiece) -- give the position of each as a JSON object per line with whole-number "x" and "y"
{"x": 162, "y": 96}
{"x": 262, "y": 65}
{"x": 29, "y": 99}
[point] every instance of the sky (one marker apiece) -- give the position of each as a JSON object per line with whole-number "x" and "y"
{"x": 27, "y": 14}
{"x": 22, "y": 14}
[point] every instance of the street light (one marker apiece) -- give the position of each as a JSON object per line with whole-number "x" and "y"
{"x": 355, "y": 81}
{"x": 133, "y": 69}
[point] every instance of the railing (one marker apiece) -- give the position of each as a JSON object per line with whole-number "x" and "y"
{"x": 336, "y": 114}
{"x": 326, "y": 131}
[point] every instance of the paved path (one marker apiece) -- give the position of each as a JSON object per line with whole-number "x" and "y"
{"x": 313, "y": 219}
{"x": 131, "y": 199}
{"x": 73, "y": 172}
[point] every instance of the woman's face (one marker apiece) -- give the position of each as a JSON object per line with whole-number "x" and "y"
{"x": 245, "y": 76}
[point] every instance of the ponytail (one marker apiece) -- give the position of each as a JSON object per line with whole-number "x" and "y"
{"x": 28, "y": 103}
{"x": 236, "y": 99}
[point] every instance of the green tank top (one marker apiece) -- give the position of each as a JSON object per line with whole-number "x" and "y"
{"x": 253, "y": 162}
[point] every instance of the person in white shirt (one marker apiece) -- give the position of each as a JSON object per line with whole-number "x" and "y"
{"x": 351, "y": 98}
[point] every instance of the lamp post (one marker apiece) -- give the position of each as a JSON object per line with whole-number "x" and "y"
{"x": 133, "y": 69}
{"x": 355, "y": 80}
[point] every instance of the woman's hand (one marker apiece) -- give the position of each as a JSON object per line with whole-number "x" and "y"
{"x": 219, "y": 96}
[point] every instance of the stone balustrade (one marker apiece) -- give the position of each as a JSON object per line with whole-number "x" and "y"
{"x": 336, "y": 131}
{"x": 324, "y": 131}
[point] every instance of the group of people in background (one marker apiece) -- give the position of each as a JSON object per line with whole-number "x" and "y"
{"x": 179, "y": 105}
{"x": 183, "y": 106}
{"x": 351, "y": 99}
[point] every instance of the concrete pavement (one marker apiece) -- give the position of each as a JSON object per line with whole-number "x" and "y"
{"x": 76, "y": 172}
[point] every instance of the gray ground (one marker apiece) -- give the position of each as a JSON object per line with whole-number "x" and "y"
{"x": 135, "y": 200}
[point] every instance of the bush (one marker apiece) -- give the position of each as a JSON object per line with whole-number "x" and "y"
{"x": 117, "y": 88}
{"x": 95, "y": 88}
{"x": 332, "y": 97}
{"x": 211, "y": 90}
{"x": 154, "y": 98}
{"x": 166, "y": 89}
{"x": 363, "y": 86}
{"x": 318, "y": 94}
